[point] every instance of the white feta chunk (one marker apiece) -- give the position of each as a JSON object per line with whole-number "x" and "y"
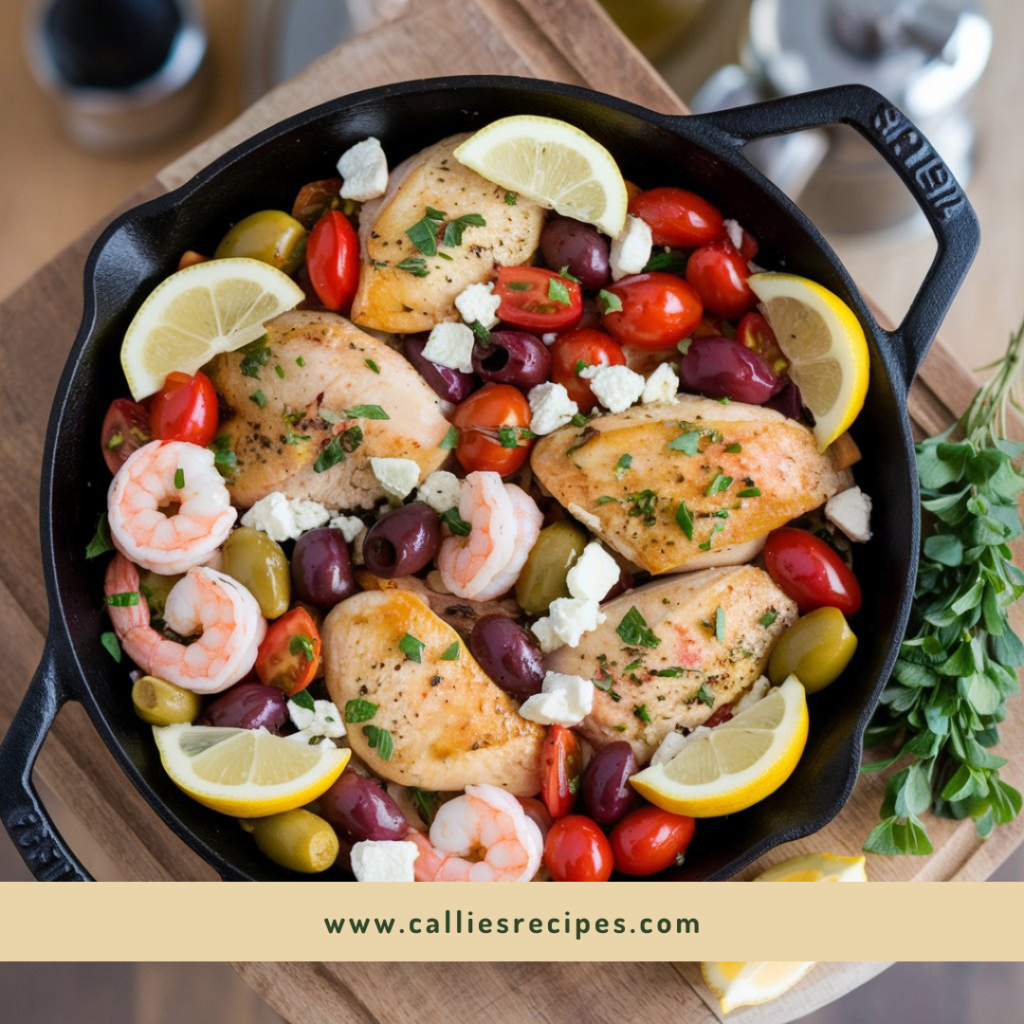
{"x": 615, "y": 387}
{"x": 563, "y": 700}
{"x": 734, "y": 232}
{"x": 673, "y": 743}
{"x": 850, "y": 510}
{"x": 661, "y": 386}
{"x": 631, "y": 250}
{"x": 477, "y": 303}
{"x": 549, "y": 337}
{"x": 364, "y": 170}
{"x": 567, "y": 620}
{"x": 282, "y": 518}
{"x": 450, "y": 345}
{"x": 350, "y": 526}
{"x": 594, "y": 574}
{"x": 384, "y": 861}
{"x": 441, "y": 491}
{"x": 308, "y": 514}
{"x": 550, "y": 408}
{"x": 397, "y": 476}
{"x": 320, "y": 723}
{"x": 757, "y": 692}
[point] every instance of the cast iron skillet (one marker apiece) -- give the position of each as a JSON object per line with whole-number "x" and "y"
{"x": 703, "y": 153}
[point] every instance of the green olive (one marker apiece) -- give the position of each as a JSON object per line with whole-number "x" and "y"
{"x": 155, "y": 589}
{"x": 815, "y": 649}
{"x": 297, "y": 840}
{"x": 271, "y": 236}
{"x": 159, "y": 702}
{"x": 543, "y": 577}
{"x": 259, "y": 564}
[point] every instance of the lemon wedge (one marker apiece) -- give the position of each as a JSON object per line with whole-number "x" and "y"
{"x": 199, "y": 312}
{"x": 825, "y": 345}
{"x": 246, "y": 773}
{"x": 733, "y": 766}
{"x": 554, "y": 164}
{"x": 750, "y": 982}
{"x": 817, "y": 867}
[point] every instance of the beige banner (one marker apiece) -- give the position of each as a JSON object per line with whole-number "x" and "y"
{"x": 621, "y": 922}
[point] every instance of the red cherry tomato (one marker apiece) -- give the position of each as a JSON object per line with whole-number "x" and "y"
{"x": 650, "y": 840}
{"x": 678, "y": 217}
{"x": 810, "y": 572}
{"x": 125, "y": 428}
{"x": 575, "y": 350}
{"x": 563, "y": 770}
{"x": 490, "y": 425}
{"x": 658, "y": 310}
{"x": 719, "y": 275}
{"x": 290, "y": 653}
{"x": 577, "y": 850}
{"x": 535, "y": 299}
{"x": 332, "y": 259}
{"x": 754, "y": 332}
{"x": 185, "y": 409}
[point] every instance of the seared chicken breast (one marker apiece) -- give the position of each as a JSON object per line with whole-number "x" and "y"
{"x": 284, "y": 405}
{"x": 451, "y": 726}
{"x": 394, "y": 299}
{"x": 670, "y": 483}
{"x": 671, "y": 653}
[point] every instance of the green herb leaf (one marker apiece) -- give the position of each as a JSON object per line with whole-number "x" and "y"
{"x": 720, "y": 483}
{"x": 483, "y": 335}
{"x": 456, "y": 523}
{"x": 412, "y": 648}
{"x": 688, "y": 443}
{"x": 113, "y": 648}
{"x": 303, "y": 699}
{"x": 510, "y": 198}
{"x": 372, "y": 365}
{"x": 301, "y": 646}
{"x": 423, "y": 234}
{"x": 454, "y": 228}
{"x": 609, "y": 301}
{"x": 127, "y": 599}
{"x": 749, "y": 492}
{"x": 426, "y": 804}
{"x": 223, "y": 457}
{"x": 510, "y": 437}
{"x": 641, "y": 712}
{"x": 623, "y": 465}
{"x": 366, "y": 412}
{"x": 634, "y": 631}
{"x": 720, "y": 624}
{"x": 705, "y": 696}
{"x": 380, "y": 740}
{"x": 279, "y": 370}
{"x": 259, "y": 398}
{"x": 415, "y": 265}
{"x": 101, "y": 542}
{"x": 359, "y": 710}
{"x": 685, "y": 520}
{"x": 451, "y": 653}
{"x": 768, "y": 618}
{"x": 666, "y": 261}
{"x": 734, "y": 449}
{"x": 254, "y": 356}
{"x": 557, "y": 292}
{"x": 451, "y": 439}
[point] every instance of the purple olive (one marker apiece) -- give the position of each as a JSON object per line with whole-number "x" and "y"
{"x": 508, "y": 654}
{"x": 361, "y": 808}
{"x": 321, "y": 568}
{"x": 512, "y": 357}
{"x": 451, "y": 385}
{"x": 577, "y": 247}
{"x": 787, "y": 400}
{"x": 248, "y": 706}
{"x": 402, "y": 541}
{"x": 723, "y": 368}
{"x": 606, "y": 789}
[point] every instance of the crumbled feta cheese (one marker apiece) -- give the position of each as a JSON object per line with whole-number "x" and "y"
{"x": 441, "y": 491}
{"x": 364, "y": 170}
{"x": 594, "y": 574}
{"x": 550, "y": 408}
{"x": 567, "y": 620}
{"x": 350, "y": 526}
{"x": 755, "y": 268}
{"x": 451, "y": 345}
{"x": 477, "y": 303}
{"x": 615, "y": 387}
{"x": 563, "y": 700}
{"x": 757, "y": 692}
{"x": 661, "y": 386}
{"x": 735, "y": 232}
{"x": 673, "y": 743}
{"x": 320, "y": 724}
{"x": 631, "y": 250}
{"x": 397, "y": 476}
{"x": 851, "y": 511}
{"x": 588, "y": 519}
{"x": 549, "y": 337}
{"x": 384, "y": 860}
{"x": 282, "y": 518}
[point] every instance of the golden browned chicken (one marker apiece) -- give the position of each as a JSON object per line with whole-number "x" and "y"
{"x": 668, "y": 484}
{"x": 284, "y": 404}
{"x": 394, "y": 299}
{"x": 671, "y": 653}
{"x": 450, "y": 725}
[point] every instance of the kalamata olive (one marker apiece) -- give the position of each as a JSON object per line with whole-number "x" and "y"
{"x": 577, "y": 247}
{"x": 248, "y": 706}
{"x": 402, "y": 541}
{"x": 508, "y": 655}
{"x": 723, "y": 368}
{"x": 322, "y": 568}
{"x": 360, "y": 808}
{"x": 606, "y": 789}
{"x": 787, "y": 400}
{"x": 512, "y": 357}
{"x": 451, "y": 385}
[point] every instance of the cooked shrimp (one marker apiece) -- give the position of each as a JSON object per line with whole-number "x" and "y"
{"x": 482, "y": 836}
{"x": 505, "y": 523}
{"x": 157, "y": 524}
{"x": 204, "y": 601}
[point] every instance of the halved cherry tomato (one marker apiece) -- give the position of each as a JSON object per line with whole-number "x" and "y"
{"x": 491, "y": 425}
{"x": 538, "y": 299}
{"x": 754, "y": 332}
{"x": 332, "y": 258}
{"x": 125, "y": 428}
{"x": 576, "y": 350}
{"x": 810, "y": 572}
{"x": 719, "y": 275}
{"x": 563, "y": 770}
{"x": 650, "y": 840}
{"x": 290, "y": 653}
{"x": 577, "y": 850}
{"x": 658, "y": 310}
{"x": 678, "y": 217}
{"x": 185, "y": 409}
{"x": 315, "y": 199}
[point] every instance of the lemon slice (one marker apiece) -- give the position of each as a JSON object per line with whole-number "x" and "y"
{"x": 825, "y": 345}
{"x": 750, "y": 982}
{"x": 199, "y": 312}
{"x": 733, "y": 766}
{"x": 554, "y": 164}
{"x": 817, "y": 867}
{"x": 246, "y": 773}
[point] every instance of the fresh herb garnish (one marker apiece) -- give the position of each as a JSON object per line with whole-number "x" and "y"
{"x": 509, "y": 437}
{"x": 372, "y": 365}
{"x": 510, "y": 198}
{"x": 415, "y": 265}
{"x": 719, "y": 484}
{"x": 454, "y": 228}
{"x": 380, "y": 740}
{"x": 366, "y": 412}
{"x": 720, "y": 624}
{"x": 450, "y": 439}
{"x": 580, "y": 366}
{"x": 750, "y": 492}
{"x": 101, "y": 542}
{"x": 518, "y": 286}
{"x": 301, "y": 646}
{"x": 685, "y": 520}
{"x": 768, "y": 618}
{"x": 645, "y": 505}
{"x": 557, "y": 292}
{"x": 687, "y": 443}
{"x": 483, "y": 335}
{"x": 426, "y": 804}
{"x": 113, "y": 648}
{"x": 359, "y": 710}
{"x": 608, "y": 301}
{"x": 338, "y": 448}
{"x": 423, "y": 234}
{"x": 127, "y": 599}
{"x": 412, "y": 648}
{"x": 303, "y": 699}
{"x": 259, "y": 398}
{"x": 451, "y": 653}
{"x": 456, "y": 523}
{"x": 223, "y": 457}
{"x": 622, "y": 467}
{"x": 604, "y": 680}
{"x": 706, "y": 546}
{"x": 254, "y": 355}
{"x": 279, "y": 370}
{"x": 580, "y": 419}
{"x": 641, "y": 712}
{"x": 734, "y": 449}
{"x": 705, "y": 696}
{"x": 292, "y": 438}
{"x": 667, "y": 261}
{"x": 634, "y": 631}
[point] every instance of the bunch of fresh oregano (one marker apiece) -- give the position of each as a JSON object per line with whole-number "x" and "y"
{"x": 957, "y": 666}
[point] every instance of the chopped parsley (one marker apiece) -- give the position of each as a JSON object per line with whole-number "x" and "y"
{"x": 451, "y": 653}
{"x": 734, "y": 449}
{"x": 366, "y": 412}
{"x": 705, "y": 696}
{"x": 279, "y": 370}
{"x": 411, "y": 648}
{"x": 580, "y": 420}
{"x": 304, "y": 699}
{"x": 641, "y": 712}
{"x": 223, "y": 457}
{"x": 301, "y": 646}
{"x": 338, "y": 448}
{"x": 127, "y": 599}
{"x": 608, "y": 301}
{"x": 634, "y": 631}
{"x": 645, "y": 505}
{"x": 510, "y": 198}
{"x": 633, "y": 665}
{"x": 254, "y": 355}
{"x": 453, "y": 230}
{"x": 299, "y": 361}
{"x": 603, "y": 681}
{"x": 380, "y": 740}
{"x": 259, "y": 398}
{"x": 423, "y": 234}
{"x": 622, "y": 467}
{"x": 415, "y": 265}
{"x": 667, "y": 261}
{"x": 518, "y": 286}
{"x": 101, "y": 542}
{"x": 688, "y": 443}
{"x": 359, "y": 710}
{"x": 580, "y": 367}
{"x": 750, "y": 492}
{"x": 510, "y": 437}
{"x": 483, "y": 335}
{"x": 674, "y": 672}
{"x": 706, "y": 546}
{"x": 292, "y": 438}
{"x": 685, "y": 520}
{"x": 720, "y": 483}
{"x": 768, "y": 618}
{"x": 110, "y": 643}
{"x": 557, "y": 292}
{"x": 564, "y": 272}
{"x": 451, "y": 439}
{"x": 720, "y": 624}
{"x": 372, "y": 365}
{"x": 456, "y": 523}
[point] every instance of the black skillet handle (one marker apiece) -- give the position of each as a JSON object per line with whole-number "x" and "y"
{"x": 40, "y": 844}
{"x": 920, "y": 168}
